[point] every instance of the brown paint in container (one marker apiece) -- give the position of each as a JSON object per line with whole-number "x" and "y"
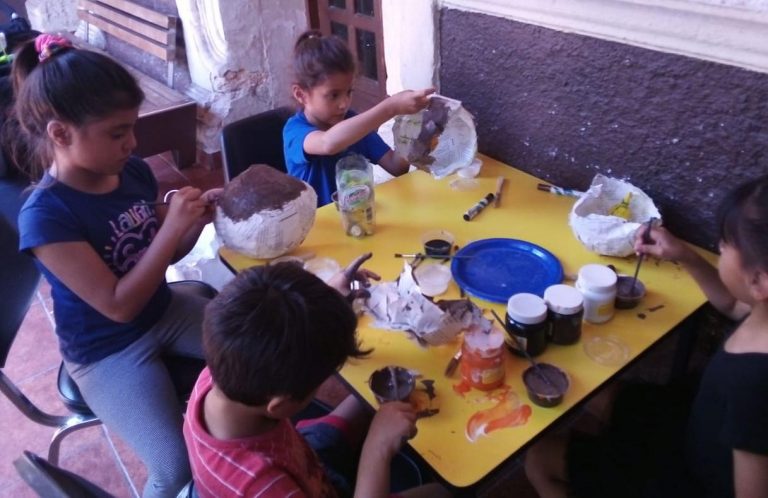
{"x": 391, "y": 383}
{"x": 437, "y": 243}
{"x": 546, "y": 385}
{"x": 628, "y": 297}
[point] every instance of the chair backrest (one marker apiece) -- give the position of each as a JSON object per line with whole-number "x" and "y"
{"x": 254, "y": 140}
{"x": 19, "y": 278}
{"x": 53, "y": 482}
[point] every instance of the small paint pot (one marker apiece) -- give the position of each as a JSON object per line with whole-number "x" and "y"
{"x": 546, "y": 385}
{"x": 437, "y": 243}
{"x": 392, "y": 383}
{"x": 627, "y": 297}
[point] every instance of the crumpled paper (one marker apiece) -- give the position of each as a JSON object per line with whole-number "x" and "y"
{"x": 602, "y": 232}
{"x": 400, "y": 305}
{"x": 440, "y": 138}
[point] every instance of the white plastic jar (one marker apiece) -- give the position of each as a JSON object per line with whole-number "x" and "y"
{"x": 597, "y": 283}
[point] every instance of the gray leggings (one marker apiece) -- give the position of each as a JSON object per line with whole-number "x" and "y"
{"x": 132, "y": 393}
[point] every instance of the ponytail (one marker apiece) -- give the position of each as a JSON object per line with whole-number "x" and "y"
{"x": 315, "y": 57}
{"x": 52, "y": 80}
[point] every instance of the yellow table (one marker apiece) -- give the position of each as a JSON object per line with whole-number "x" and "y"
{"x": 408, "y": 206}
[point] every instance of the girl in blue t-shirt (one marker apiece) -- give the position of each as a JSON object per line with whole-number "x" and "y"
{"x": 659, "y": 442}
{"x": 104, "y": 247}
{"x": 325, "y": 129}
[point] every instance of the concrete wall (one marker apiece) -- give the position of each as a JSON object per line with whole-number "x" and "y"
{"x": 564, "y": 106}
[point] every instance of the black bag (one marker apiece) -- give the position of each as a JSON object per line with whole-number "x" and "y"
{"x": 17, "y": 30}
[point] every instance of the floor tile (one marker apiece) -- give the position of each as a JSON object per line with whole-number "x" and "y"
{"x": 88, "y": 453}
{"x": 35, "y": 348}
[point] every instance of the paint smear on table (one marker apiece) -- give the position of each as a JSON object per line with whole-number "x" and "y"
{"x": 508, "y": 412}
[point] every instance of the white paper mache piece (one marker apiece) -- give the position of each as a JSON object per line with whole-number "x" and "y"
{"x": 604, "y": 233}
{"x": 400, "y": 305}
{"x": 264, "y": 213}
{"x": 446, "y": 121}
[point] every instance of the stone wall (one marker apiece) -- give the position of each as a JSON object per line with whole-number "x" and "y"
{"x": 564, "y": 107}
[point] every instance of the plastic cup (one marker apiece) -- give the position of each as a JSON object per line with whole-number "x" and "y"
{"x": 433, "y": 279}
{"x": 392, "y": 383}
{"x": 627, "y": 297}
{"x": 437, "y": 243}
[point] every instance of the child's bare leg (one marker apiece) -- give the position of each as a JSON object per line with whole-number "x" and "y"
{"x": 431, "y": 490}
{"x": 357, "y": 415}
{"x": 546, "y": 468}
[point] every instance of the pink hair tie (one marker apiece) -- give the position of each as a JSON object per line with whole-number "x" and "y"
{"x": 48, "y": 45}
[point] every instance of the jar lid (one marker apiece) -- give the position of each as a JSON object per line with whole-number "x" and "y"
{"x": 527, "y": 308}
{"x": 563, "y": 299}
{"x": 483, "y": 342}
{"x": 598, "y": 278}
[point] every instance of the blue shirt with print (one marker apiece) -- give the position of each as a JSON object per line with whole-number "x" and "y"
{"x": 119, "y": 227}
{"x": 320, "y": 171}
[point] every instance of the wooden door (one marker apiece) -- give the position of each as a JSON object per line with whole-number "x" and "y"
{"x": 358, "y": 22}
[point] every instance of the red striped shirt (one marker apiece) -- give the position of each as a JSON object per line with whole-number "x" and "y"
{"x": 278, "y": 463}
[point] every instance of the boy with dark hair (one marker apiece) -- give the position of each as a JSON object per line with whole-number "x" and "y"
{"x": 271, "y": 337}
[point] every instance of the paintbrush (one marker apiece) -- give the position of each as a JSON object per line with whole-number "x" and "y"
{"x": 453, "y": 363}
{"x": 521, "y": 348}
{"x": 559, "y": 190}
{"x": 497, "y": 195}
{"x": 422, "y": 255}
{"x": 646, "y": 240}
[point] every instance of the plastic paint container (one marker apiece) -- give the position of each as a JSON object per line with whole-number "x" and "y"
{"x": 546, "y": 385}
{"x": 626, "y": 296}
{"x": 526, "y": 319}
{"x": 391, "y": 383}
{"x": 482, "y": 359}
{"x": 437, "y": 243}
{"x": 433, "y": 279}
{"x": 597, "y": 283}
{"x": 566, "y": 310}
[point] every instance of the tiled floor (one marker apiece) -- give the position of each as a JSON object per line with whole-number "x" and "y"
{"x": 95, "y": 453}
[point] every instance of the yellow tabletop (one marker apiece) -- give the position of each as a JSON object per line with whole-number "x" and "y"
{"x": 408, "y": 206}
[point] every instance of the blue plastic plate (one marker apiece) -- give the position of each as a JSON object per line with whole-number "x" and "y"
{"x": 498, "y": 268}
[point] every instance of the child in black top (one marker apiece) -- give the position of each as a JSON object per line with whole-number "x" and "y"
{"x": 720, "y": 448}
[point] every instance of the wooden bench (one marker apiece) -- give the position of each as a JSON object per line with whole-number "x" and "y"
{"x": 167, "y": 118}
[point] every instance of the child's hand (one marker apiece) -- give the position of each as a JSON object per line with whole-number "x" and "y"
{"x": 343, "y": 280}
{"x": 186, "y": 208}
{"x": 211, "y": 197}
{"x": 410, "y": 101}
{"x": 393, "y": 424}
{"x": 664, "y": 245}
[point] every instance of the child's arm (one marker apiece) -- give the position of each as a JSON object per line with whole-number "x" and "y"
{"x": 667, "y": 246}
{"x": 394, "y": 164}
{"x": 84, "y": 272}
{"x": 393, "y": 423}
{"x": 350, "y": 131}
{"x": 750, "y": 474}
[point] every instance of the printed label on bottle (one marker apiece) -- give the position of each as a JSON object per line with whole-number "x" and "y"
{"x": 354, "y": 197}
{"x": 605, "y": 309}
{"x": 491, "y": 375}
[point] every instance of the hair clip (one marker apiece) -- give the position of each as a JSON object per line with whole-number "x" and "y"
{"x": 48, "y": 45}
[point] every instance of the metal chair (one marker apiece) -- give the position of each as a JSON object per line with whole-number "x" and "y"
{"x": 254, "y": 140}
{"x": 19, "y": 279}
{"x": 50, "y": 481}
